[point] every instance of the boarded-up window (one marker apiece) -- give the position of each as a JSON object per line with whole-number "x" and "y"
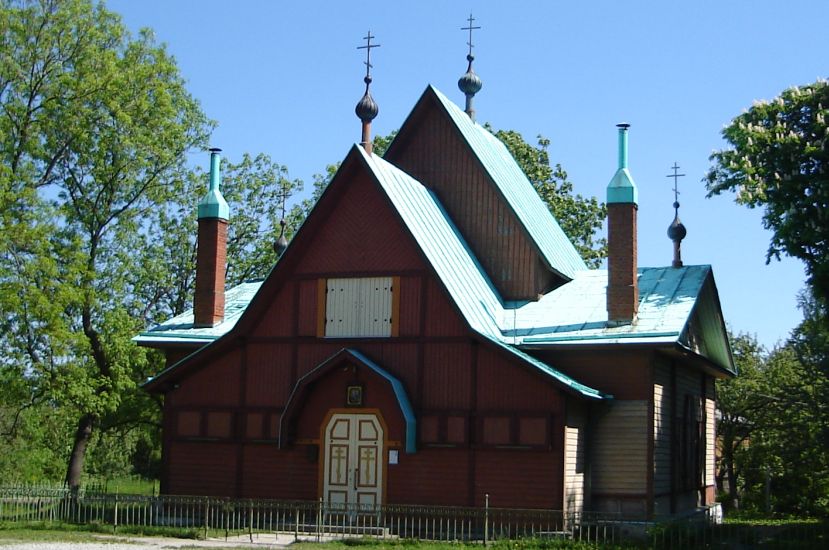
{"x": 189, "y": 424}
{"x": 358, "y": 307}
{"x": 218, "y": 424}
{"x": 429, "y": 429}
{"x": 497, "y": 430}
{"x": 533, "y": 431}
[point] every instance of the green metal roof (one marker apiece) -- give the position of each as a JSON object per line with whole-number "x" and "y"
{"x": 555, "y": 247}
{"x": 181, "y": 330}
{"x": 454, "y": 262}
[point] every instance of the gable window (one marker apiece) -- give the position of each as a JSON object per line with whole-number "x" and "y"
{"x": 358, "y": 307}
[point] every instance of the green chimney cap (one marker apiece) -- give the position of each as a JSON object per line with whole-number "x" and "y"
{"x": 213, "y": 204}
{"x": 621, "y": 188}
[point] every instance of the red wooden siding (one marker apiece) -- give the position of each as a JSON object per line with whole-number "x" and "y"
{"x": 447, "y": 376}
{"x": 268, "y": 374}
{"x": 431, "y": 477}
{"x": 361, "y": 235}
{"x": 442, "y": 319}
{"x": 519, "y": 478}
{"x": 195, "y": 470}
{"x": 279, "y": 320}
{"x": 216, "y": 384}
{"x": 290, "y": 473}
{"x": 504, "y": 384}
{"x": 433, "y": 152}
{"x": 625, "y": 374}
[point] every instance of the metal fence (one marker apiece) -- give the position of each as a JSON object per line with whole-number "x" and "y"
{"x": 212, "y": 517}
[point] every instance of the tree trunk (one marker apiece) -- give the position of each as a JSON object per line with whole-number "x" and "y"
{"x": 82, "y": 436}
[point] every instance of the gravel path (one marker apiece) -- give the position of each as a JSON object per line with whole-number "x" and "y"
{"x": 154, "y": 543}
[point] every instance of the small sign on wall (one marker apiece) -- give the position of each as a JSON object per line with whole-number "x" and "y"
{"x": 393, "y": 456}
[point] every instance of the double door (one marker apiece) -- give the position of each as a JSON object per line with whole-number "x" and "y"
{"x": 353, "y": 466}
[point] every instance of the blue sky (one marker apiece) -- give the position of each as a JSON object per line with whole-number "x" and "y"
{"x": 283, "y": 78}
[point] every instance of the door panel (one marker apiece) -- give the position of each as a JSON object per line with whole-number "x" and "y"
{"x": 353, "y": 469}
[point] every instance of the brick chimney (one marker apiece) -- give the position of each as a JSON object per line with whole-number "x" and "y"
{"x": 622, "y": 283}
{"x": 209, "y": 301}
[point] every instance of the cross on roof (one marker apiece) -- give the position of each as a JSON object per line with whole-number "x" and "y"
{"x": 470, "y": 28}
{"x": 367, "y": 48}
{"x": 676, "y": 175}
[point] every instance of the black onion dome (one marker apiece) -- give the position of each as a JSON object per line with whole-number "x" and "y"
{"x": 280, "y": 245}
{"x": 676, "y": 231}
{"x": 470, "y": 83}
{"x": 367, "y": 109}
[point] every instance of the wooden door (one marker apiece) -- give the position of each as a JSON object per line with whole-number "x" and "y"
{"x": 353, "y": 468}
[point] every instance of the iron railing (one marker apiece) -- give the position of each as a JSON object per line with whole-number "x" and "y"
{"x": 310, "y": 520}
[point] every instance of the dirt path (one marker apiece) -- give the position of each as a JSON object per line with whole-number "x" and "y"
{"x": 155, "y": 543}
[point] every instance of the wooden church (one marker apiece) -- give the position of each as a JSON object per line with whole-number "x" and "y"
{"x": 430, "y": 336}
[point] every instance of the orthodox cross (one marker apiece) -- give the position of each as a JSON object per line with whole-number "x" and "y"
{"x": 676, "y": 175}
{"x": 367, "y": 48}
{"x": 368, "y": 463}
{"x": 339, "y": 456}
{"x": 470, "y": 28}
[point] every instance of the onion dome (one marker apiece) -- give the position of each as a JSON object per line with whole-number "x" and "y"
{"x": 470, "y": 83}
{"x": 366, "y": 108}
{"x": 676, "y": 231}
{"x": 281, "y": 243}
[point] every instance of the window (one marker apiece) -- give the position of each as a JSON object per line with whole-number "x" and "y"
{"x": 358, "y": 307}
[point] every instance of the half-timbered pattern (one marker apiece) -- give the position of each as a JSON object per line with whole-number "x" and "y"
{"x": 431, "y": 336}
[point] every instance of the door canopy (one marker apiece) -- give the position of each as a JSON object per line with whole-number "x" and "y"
{"x": 303, "y": 393}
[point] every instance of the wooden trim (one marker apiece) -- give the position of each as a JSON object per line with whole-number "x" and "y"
{"x": 321, "y": 288}
{"x": 395, "y": 306}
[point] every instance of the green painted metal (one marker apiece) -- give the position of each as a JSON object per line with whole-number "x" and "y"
{"x": 622, "y": 189}
{"x": 180, "y": 329}
{"x": 213, "y": 204}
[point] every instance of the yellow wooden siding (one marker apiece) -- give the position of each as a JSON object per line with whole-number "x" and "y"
{"x": 710, "y": 433}
{"x": 574, "y": 458}
{"x": 620, "y": 448}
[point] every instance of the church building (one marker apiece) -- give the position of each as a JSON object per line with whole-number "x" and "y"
{"x": 431, "y": 336}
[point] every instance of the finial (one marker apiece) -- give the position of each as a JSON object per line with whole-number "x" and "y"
{"x": 676, "y": 231}
{"x": 366, "y": 108}
{"x": 281, "y": 243}
{"x": 470, "y": 83}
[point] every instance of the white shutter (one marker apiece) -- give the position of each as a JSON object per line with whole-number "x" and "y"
{"x": 358, "y": 307}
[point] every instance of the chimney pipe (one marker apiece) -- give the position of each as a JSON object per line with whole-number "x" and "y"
{"x": 622, "y": 280}
{"x": 211, "y": 260}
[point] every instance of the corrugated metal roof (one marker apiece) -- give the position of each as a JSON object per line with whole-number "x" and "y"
{"x": 576, "y": 312}
{"x": 542, "y": 227}
{"x": 180, "y": 329}
{"x": 454, "y": 262}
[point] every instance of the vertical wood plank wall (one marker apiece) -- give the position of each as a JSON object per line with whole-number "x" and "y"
{"x": 575, "y": 450}
{"x": 436, "y": 156}
{"x": 232, "y": 405}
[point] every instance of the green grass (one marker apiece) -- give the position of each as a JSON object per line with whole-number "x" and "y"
{"x": 409, "y": 544}
{"x": 89, "y": 532}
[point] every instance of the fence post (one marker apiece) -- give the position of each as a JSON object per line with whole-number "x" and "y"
{"x": 115, "y": 515}
{"x": 296, "y": 526}
{"x": 319, "y": 519}
{"x": 206, "y": 516}
{"x": 486, "y": 519}
{"x": 250, "y": 522}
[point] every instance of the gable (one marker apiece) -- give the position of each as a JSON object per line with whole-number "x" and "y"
{"x": 505, "y": 223}
{"x": 705, "y": 333}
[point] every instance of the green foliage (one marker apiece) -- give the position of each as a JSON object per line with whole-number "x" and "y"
{"x": 579, "y": 217}
{"x": 773, "y": 430}
{"x": 778, "y": 159}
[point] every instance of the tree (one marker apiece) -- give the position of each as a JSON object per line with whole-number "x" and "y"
{"x": 94, "y": 126}
{"x": 778, "y": 159}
